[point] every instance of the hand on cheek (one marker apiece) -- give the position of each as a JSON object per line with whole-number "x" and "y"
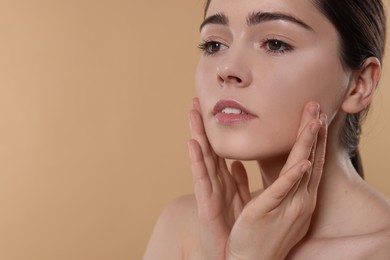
{"x": 234, "y": 226}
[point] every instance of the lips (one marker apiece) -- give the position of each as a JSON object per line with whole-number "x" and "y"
{"x": 230, "y": 112}
{"x": 230, "y": 106}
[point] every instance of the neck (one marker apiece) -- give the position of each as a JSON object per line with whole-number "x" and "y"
{"x": 270, "y": 169}
{"x": 337, "y": 192}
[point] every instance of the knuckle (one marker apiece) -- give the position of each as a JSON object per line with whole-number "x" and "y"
{"x": 301, "y": 208}
{"x": 290, "y": 178}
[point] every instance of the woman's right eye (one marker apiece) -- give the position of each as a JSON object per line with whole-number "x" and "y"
{"x": 211, "y": 47}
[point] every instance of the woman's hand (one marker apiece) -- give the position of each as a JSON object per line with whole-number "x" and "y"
{"x": 220, "y": 195}
{"x": 234, "y": 226}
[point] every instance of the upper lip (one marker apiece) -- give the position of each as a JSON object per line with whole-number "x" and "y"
{"x": 222, "y": 104}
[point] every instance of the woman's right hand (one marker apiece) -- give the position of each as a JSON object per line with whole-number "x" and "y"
{"x": 234, "y": 226}
{"x": 220, "y": 196}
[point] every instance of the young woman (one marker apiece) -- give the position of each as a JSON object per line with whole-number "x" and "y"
{"x": 285, "y": 83}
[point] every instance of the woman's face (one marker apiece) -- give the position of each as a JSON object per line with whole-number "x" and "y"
{"x": 267, "y": 58}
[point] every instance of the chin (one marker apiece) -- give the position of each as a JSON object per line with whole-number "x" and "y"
{"x": 234, "y": 154}
{"x": 247, "y": 149}
{"x": 235, "y": 150}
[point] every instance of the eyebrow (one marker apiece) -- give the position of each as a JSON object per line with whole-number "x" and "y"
{"x": 255, "y": 18}
{"x": 218, "y": 18}
{"x": 260, "y": 17}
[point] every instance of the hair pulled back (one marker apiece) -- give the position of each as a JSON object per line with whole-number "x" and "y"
{"x": 361, "y": 26}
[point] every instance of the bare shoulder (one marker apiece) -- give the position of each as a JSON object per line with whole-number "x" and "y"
{"x": 377, "y": 208}
{"x": 374, "y": 243}
{"x": 381, "y": 248}
{"x": 381, "y": 239}
{"x": 374, "y": 246}
{"x": 176, "y": 224}
{"x": 364, "y": 235}
{"x": 372, "y": 237}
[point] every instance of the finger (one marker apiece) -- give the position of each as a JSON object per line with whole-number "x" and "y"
{"x": 240, "y": 177}
{"x": 319, "y": 157}
{"x": 304, "y": 144}
{"x": 224, "y": 177}
{"x": 202, "y": 183}
{"x": 196, "y": 107}
{"x": 303, "y": 184}
{"x": 198, "y": 133}
{"x": 277, "y": 192}
{"x": 310, "y": 112}
{"x": 196, "y": 104}
{"x": 221, "y": 168}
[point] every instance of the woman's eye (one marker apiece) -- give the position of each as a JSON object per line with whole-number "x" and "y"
{"x": 277, "y": 46}
{"x": 211, "y": 47}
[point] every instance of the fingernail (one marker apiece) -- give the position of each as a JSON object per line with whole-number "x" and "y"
{"x": 314, "y": 110}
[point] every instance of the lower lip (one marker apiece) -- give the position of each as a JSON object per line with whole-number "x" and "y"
{"x": 229, "y": 119}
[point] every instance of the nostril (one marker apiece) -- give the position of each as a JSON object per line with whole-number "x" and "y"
{"x": 220, "y": 79}
{"x": 230, "y": 80}
{"x": 237, "y": 79}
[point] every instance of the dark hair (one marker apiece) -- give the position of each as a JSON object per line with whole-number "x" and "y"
{"x": 361, "y": 25}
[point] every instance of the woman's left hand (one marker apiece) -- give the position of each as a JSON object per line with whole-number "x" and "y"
{"x": 234, "y": 226}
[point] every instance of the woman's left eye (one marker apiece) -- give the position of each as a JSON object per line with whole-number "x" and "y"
{"x": 276, "y": 46}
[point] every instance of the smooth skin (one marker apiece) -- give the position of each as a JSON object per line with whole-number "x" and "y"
{"x": 314, "y": 205}
{"x": 227, "y": 215}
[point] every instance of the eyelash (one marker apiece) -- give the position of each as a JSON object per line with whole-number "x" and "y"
{"x": 206, "y": 45}
{"x": 285, "y": 47}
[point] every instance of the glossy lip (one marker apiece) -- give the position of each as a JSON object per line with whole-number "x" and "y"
{"x": 222, "y": 104}
{"x": 229, "y": 119}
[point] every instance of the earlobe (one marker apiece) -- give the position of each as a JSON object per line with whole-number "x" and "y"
{"x": 362, "y": 86}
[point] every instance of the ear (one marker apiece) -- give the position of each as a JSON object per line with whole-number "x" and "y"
{"x": 362, "y": 87}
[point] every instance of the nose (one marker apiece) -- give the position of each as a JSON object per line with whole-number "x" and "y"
{"x": 234, "y": 71}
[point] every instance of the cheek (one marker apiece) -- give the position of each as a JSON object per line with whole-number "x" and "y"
{"x": 280, "y": 89}
{"x": 205, "y": 83}
{"x": 201, "y": 78}
{"x": 326, "y": 82}
{"x": 314, "y": 76}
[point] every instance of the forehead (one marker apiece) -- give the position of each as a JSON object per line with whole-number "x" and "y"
{"x": 282, "y": 4}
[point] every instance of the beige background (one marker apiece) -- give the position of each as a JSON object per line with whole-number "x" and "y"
{"x": 93, "y": 124}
